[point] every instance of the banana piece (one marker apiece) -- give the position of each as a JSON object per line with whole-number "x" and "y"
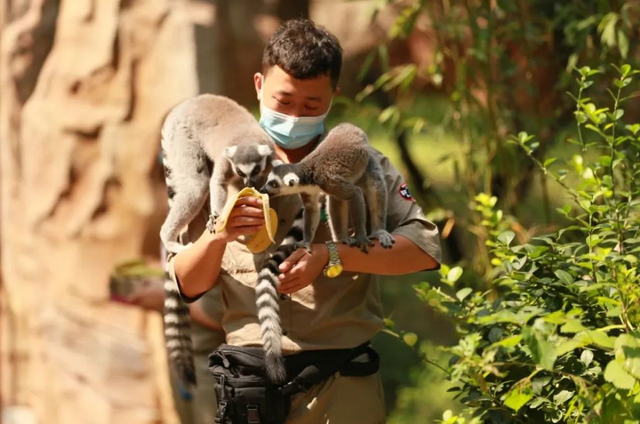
{"x": 260, "y": 241}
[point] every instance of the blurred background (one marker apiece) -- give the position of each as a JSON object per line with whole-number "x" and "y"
{"x": 85, "y": 84}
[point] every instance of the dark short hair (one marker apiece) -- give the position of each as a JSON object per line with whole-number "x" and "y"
{"x": 304, "y": 50}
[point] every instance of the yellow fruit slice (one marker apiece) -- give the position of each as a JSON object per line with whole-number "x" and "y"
{"x": 260, "y": 241}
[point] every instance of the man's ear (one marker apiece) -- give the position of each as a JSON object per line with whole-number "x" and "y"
{"x": 336, "y": 91}
{"x": 230, "y": 151}
{"x": 257, "y": 82}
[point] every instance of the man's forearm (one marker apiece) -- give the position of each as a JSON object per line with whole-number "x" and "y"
{"x": 403, "y": 258}
{"x": 198, "y": 267}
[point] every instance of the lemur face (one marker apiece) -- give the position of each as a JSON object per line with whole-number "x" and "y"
{"x": 250, "y": 163}
{"x": 282, "y": 181}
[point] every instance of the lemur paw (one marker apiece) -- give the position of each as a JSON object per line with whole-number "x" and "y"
{"x": 303, "y": 245}
{"x": 386, "y": 240}
{"x": 211, "y": 222}
{"x": 362, "y": 243}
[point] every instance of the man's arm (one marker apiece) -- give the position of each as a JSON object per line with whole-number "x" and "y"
{"x": 405, "y": 257}
{"x": 197, "y": 268}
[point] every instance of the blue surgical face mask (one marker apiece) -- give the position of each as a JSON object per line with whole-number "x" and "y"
{"x": 290, "y": 132}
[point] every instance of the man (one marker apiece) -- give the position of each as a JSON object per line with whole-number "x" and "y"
{"x": 300, "y": 70}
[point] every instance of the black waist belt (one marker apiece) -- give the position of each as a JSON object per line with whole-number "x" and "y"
{"x": 246, "y": 396}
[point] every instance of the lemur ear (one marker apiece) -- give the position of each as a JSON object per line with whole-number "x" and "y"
{"x": 264, "y": 150}
{"x": 276, "y": 162}
{"x": 230, "y": 151}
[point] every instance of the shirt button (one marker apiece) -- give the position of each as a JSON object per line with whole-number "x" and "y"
{"x": 284, "y": 332}
{"x": 283, "y": 296}
{"x": 283, "y": 221}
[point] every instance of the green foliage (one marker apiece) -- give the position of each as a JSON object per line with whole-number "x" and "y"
{"x": 485, "y": 70}
{"x": 555, "y": 338}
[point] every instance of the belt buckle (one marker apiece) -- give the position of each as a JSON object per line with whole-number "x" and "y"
{"x": 253, "y": 415}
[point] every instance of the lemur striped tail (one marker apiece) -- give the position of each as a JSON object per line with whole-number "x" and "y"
{"x": 177, "y": 321}
{"x": 268, "y": 306}
{"x": 177, "y": 333}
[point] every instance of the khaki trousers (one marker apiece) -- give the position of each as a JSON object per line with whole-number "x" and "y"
{"x": 340, "y": 400}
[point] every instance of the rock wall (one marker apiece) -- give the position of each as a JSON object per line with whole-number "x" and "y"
{"x": 85, "y": 85}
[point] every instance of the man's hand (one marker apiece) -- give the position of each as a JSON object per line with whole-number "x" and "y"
{"x": 246, "y": 218}
{"x": 302, "y": 268}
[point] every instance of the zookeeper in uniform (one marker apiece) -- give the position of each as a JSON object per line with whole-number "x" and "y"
{"x": 300, "y": 70}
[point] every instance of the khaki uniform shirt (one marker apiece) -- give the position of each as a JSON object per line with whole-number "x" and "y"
{"x": 330, "y": 313}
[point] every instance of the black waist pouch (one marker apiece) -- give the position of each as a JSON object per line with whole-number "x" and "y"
{"x": 245, "y": 395}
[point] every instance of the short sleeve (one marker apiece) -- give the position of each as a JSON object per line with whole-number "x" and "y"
{"x": 184, "y": 238}
{"x": 173, "y": 278}
{"x": 404, "y": 217}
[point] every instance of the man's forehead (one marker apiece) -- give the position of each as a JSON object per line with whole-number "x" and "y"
{"x": 278, "y": 81}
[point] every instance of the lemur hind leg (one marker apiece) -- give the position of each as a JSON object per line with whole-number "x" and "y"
{"x": 338, "y": 211}
{"x": 185, "y": 205}
{"x": 376, "y": 197}
{"x": 311, "y": 219}
{"x": 353, "y": 195}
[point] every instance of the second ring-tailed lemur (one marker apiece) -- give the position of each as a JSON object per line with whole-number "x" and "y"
{"x": 208, "y": 144}
{"x": 344, "y": 168}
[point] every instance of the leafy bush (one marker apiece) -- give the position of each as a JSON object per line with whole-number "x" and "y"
{"x": 555, "y": 337}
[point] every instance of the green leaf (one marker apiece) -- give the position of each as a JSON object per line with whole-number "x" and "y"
{"x": 596, "y": 337}
{"x": 625, "y": 69}
{"x": 633, "y": 128}
{"x": 388, "y": 322}
{"x": 623, "y": 44}
{"x": 543, "y": 353}
{"x": 573, "y": 326}
{"x": 410, "y": 339}
{"x": 386, "y": 114}
{"x": 564, "y": 276}
{"x": 562, "y": 397}
{"x": 618, "y": 114}
{"x": 568, "y": 346}
{"x": 616, "y": 374}
{"x": 549, "y": 161}
{"x": 509, "y": 341}
{"x": 518, "y": 397}
{"x": 463, "y": 293}
{"x": 506, "y": 237}
{"x": 454, "y": 274}
{"x": 586, "y": 357}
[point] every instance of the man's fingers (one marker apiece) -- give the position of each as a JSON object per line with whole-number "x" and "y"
{"x": 245, "y": 221}
{"x": 247, "y": 211}
{"x": 249, "y": 201}
{"x": 245, "y": 231}
{"x": 293, "y": 259}
{"x": 291, "y": 286}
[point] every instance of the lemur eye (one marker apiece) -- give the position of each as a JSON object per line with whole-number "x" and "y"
{"x": 240, "y": 173}
{"x": 273, "y": 184}
{"x": 255, "y": 170}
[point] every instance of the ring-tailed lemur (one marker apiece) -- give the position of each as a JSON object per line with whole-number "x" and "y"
{"x": 267, "y": 303}
{"x": 344, "y": 168}
{"x": 208, "y": 143}
{"x": 201, "y": 131}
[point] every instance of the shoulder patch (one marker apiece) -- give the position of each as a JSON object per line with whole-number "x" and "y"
{"x": 404, "y": 192}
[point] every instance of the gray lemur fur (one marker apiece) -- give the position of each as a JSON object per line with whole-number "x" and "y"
{"x": 344, "y": 169}
{"x": 201, "y": 131}
{"x": 208, "y": 143}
